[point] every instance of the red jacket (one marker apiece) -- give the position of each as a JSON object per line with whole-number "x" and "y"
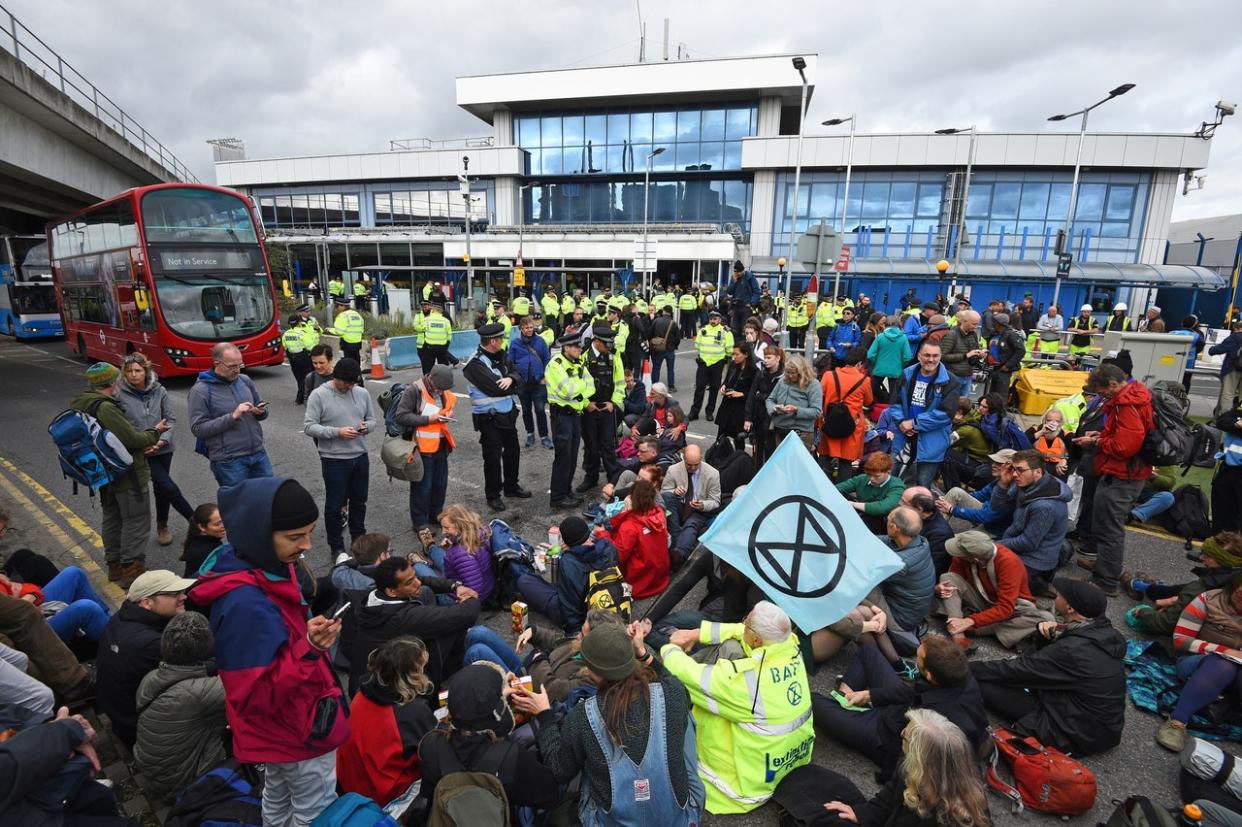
{"x": 1011, "y": 584}
{"x": 642, "y": 547}
{"x": 380, "y": 759}
{"x": 1128, "y": 418}
{"x": 851, "y": 447}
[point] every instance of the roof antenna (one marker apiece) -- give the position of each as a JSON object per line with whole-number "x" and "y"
{"x": 642, "y": 33}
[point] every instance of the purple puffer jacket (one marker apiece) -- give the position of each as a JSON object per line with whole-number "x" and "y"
{"x": 478, "y": 571}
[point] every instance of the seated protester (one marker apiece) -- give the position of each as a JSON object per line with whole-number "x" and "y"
{"x": 613, "y": 496}
{"x": 402, "y": 603}
{"x": 1221, "y": 556}
{"x": 988, "y": 581}
{"x": 691, "y": 493}
{"x": 978, "y": 508}
{"x": 646, "y": 452}
{"x": 21, "y": 689}
{"x": 997, "y": 425}
{"x": 181, "y": 722}
{"x": 1157, "y": 494}
{"x": 475, "y": 738}
{"x": 909, "y": 591}
{"x": 84, "y": 611}
{"x": 640, "y": 534}
{"x": 553, "y": 664}
{"x": 875, "y": 492}
{"x": 468, "y": 551}
{"x": 635, "y": 404}
{"x": 1040, "y": 516}
{"x": 1050, "y": 439}
{"x": 632, "y": 743}
{"x": 30, "y": 644}
{"x": 205, "y": 535}
{"x": 34, "y": 758}
{"x": 358, "y": 570}
{"x": 936, "y": 529}
{"x": 938, "y": 784}
{"x": 1070, "y": 692}
{"x": 672, "y": 437}
{"x": 866, "y": 624}
{"x": 967, "y": 458}
{"x": 659, "y": 406}
{"x": 944, "y": 684}
{"x": 1208, "y": 641}
{"x": 390, "y": 715}
{"x": 581, "y": 554}
{"x": 130, "y": 646}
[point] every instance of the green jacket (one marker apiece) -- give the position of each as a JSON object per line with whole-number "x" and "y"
{"x": 113, "y": 418}
{"x": 971, "y": 440}
{"x": 878, "y": 499}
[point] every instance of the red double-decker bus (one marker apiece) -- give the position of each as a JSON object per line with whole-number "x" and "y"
{"x": 167, "y": 270}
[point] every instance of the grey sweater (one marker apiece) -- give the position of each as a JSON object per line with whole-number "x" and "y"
{"x": 328, "y": 410}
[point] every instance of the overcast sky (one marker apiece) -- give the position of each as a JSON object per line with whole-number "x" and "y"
{"x": 318, "y": 77}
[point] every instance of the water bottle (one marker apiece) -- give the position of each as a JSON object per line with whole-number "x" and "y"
{"x": 1192, "y": 814}
{"x": 554, "y": 541}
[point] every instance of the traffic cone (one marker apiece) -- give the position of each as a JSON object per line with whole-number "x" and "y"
{"x": 377, "y": 366}
{"x": 647, "y": 373}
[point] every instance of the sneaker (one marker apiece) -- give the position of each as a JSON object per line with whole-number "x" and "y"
{"x": 162, "y": 535}
{"x": 1135, "y": 584}
{"x": 1171, "y": 735}
{"x": 530, "y": 440}
{"x": 547, "y": 443}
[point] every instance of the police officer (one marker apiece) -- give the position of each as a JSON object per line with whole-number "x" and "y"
{"x": 688, "y": 313}
{"x": 714, "y": 342}
{"x": 437, "y": 333}
{"x": 599, "y": 419}
{"x": 568, "y": 305}
{"x": 798, "y": 322}
{"x": 494, "y": 384}
{"x": 336, "y": 287}
{"x": 361, "y": 288}
{"x": 550, "y": 306}
{"x": 521, "y": 305}
{"x": 420, "y": 330}
{"x": 349, "y": 325}
{"x": 311, "y": 330}
{"x": 293, "y": 340}
{"x": 570, "y": 388}
{"x": 601, "y": 314}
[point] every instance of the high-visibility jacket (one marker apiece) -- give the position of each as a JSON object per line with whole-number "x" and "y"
{"x": 503, "y": 319}
{"x": 521, "y": 306}
{"x": 360, "y": 289}
{"x": 493, "y": 312}
{"x": 752, "y": 717}
{"x": 1071, "y": 408}
{"x": 640, "y": 304}
{"x": 551, "y": 306}
{"x": 437, "y": 329}
{"x": 587, "y": 304}
{"x": 547, "y": 336}
{"x": 292, "y": 341}
{"x": 427, "y": 288}
{"x": 420, "y": 328}
{"x": 714, "y": 342}
{"x": 688, "y": 301}
{"x": 336, "y": 287}
{"x": 609, "y": 369}
{"x": 349, "y": 326}
{"x": 569, "y": 384}
{"x": 620, "y": 335}
{"x": 780, "y": 301}
{"x": 430, "y": 435}
{"x": 567, "y": 305}
{"x": 824, "y": 315}
{"x": 311, "y": 331}
{"x": 619, "y": 302}
{"x": 797, "y": 314}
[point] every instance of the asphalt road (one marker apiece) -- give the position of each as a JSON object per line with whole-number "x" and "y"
{"x": 38, "y": 380}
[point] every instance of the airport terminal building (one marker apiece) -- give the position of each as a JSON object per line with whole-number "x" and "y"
{"x": 561, "y": 179}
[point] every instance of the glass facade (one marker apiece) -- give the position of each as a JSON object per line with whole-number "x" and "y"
{"x": 425, "y": 207}
{"x": 318, "y": 210}
{"x": 698, "y": 199}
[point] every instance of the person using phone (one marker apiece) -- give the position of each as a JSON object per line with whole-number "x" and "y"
{"x": 339, "y": 414}
{"x": 423, "y": 413}
{"x": 225, "y": 410}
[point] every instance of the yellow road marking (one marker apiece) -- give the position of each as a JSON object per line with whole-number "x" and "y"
{"x": 1163, "y": 535}
{"x": 67, "y": 514}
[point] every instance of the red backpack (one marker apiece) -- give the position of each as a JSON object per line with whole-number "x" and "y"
{"x": 1046, "y": 779}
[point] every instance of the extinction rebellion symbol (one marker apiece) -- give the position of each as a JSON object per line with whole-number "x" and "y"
{"x": 798, "y": 547}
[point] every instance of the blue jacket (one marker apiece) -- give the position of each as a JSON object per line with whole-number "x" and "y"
{"x": 844, "y": 338}
{"x": 636, "y": 400}
{"x": 909, "y": 591}
{"x": 576, "y": 564}
{"x": 1196, "y": 344}
{"x": 914, "y": 329}
{"x": 211, "y": 404}
{"x": 994, "y": 522}
{"x": 1229, "y": 348}
{"x": 1040, "y": 520}
{"x": 936, "y": 421}
{"x": 744, "y": 290}
{"x": 530, "y": 357}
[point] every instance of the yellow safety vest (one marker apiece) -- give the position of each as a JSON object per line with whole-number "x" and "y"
{"x": 797, "y": 314}
{"x": 427, "y": 291}
{"x": 640, "y": 304}
{"x": 688, "y": 301}
{"x": 437, "y": 329}
{"x": 586, "y": 304}
{"x": 360, "y": 289}
{"x": 349, "y": 326}
{"x": 291, "y": 340}
{"x": 521, "y": 306}
{"x": 336, "y": 287}
{"x": 508, "y": 326}
{"x": 311, "y": 331}
{"x": 824, "y": 316}
{"x": 551, "y": 306}
{"x": 714, "y": 342}
{"x": 568, "y": 382}
{"x": 567, "y": 305}
{"x": 618, "y": 302}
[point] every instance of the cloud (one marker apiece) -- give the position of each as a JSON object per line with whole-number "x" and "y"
{"x": 315, "y": 77}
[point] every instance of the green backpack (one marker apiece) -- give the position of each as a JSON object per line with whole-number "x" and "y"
{"x": 1138, "y": 811}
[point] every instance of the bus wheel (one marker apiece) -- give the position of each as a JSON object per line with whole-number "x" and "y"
{"x": 82, "y": 354}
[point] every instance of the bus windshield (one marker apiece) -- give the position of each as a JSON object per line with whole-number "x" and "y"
{"x": 34, "y": 299}
{"x": 209, "y": 307}
{"x": 197, "y": 216}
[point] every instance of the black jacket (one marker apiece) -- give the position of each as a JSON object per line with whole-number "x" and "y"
{"x": 478, "y": 373}
{"x": 665, "y": 327}
{"x": 1011, "y": 350}
{"x": 28, "y": 761}
{"x": 370, "y": 621}
{"x": 756, "y": 411}
{"x": 195, "y": 552}
{"x": 963, "y": 705}
{"x": 527, "y": 782}
{"x": 128, "y": 649}
{"x": 1079, "y": 682}
{"x": 938, "y": 532}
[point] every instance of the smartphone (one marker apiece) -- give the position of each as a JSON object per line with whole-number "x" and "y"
{"x": 344, "y": 608}
{"x": 261, "y": 405}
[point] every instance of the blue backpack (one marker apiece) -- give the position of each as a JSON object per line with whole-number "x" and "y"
{"x": 353, "y": 810}
{"x": 1012, "y": 436}
{"x": 90, "y": 454}
{"x": 224, "y": 795}
{"x": 513, "y": 557}
{"x": 388, "y": 402}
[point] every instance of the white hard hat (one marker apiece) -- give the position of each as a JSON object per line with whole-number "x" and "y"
{"x": 1120, "y": 306}
{"x": 1086, "y": 308}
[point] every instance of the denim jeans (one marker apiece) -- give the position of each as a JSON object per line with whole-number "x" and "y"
{"x": 86, "y": 610}
{"x": 684, "y": 534}
{"x": 232, "y": 471}
{"x": 534, "y": 398}
{"x": 484, "y": 644}
{"x": 667, "y": 357}
{"x": 1151, "y": 505}
{"x": 344, "y": 481}
{"x": 166, "y": 491}
{"x": 427, "y": 495}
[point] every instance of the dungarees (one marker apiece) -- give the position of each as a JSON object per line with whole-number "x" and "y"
{"x": 642, "y": 795}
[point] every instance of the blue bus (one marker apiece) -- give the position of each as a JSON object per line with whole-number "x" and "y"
{"x": 27, "y": 297}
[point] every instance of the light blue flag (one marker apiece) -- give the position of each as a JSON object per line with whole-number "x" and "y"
{"x": 797, "y": 538}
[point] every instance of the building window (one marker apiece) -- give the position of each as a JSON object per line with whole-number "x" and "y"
{"x": 308, "y": 209}
{"x": 690, "y": 199}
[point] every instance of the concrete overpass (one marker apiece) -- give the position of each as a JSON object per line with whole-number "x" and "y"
{"x": 63, "y": 142}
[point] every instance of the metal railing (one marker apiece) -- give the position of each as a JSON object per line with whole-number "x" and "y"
{"x": 28, "y": 48}
{"x": 446, "y": 143}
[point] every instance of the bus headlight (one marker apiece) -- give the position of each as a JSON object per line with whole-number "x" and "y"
{"x": 272, "y": 343}
{"x": 178, "y": 355}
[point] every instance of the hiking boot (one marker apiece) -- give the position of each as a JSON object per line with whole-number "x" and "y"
{"x": 80, "y": 695}
{"x": 162, "y": 535}
{"x": 711, "y": 417}
{"x": 496, "y": 504}
{"x": 1086, "y": 561}
{"x": 115, "y": 570}
{"x": 1171, "y": 735}
{"x": 1109, "y": 591}
{"x": 585, "y": 487}
{"x": 131, "y": 572}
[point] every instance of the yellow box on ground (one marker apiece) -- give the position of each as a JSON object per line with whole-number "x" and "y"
{"x": 1037, "y": 389}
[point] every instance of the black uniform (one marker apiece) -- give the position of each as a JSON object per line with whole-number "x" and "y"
{"x": 497, "y": 429}
{"x": 599, "y": 427}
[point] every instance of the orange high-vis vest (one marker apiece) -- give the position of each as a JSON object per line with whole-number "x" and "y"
{"x": 1054, "y": 451}
{"x": 429, "y": 435}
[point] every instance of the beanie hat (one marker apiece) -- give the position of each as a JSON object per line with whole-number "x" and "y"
{"x": 1226, "y": 555}
{"x": 1083, "y": 598}
{"x": 1124, "y": 361}
{"x": 293, "y": 507}
{"x": 607, "y": 651}
{"x": 574, "y": 531}
{"x": 442, "y": 377}
{"x": 102, "y": 374}
{"x": 347, "y": 370}
{"x": 187, "y": 640}
{"x": 476, "y": 699}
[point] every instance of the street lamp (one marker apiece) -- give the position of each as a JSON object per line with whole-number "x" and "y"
{"x": 961, "y": 215}
{"x": 1082, "y": 136}
{"x": 521, "y": 234}
{"x": 799, "y": 63}
{"x": 646, "y": 195}
{"x": 845, "y": 198}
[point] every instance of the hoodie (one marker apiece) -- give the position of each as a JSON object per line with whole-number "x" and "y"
{"x": 576, "y": 564}
{"x": 276, "y": 683}
{"x": 642, "y": 547}
{"x": 889, "y": 353}
{"x": 146, "y": 406}
{"x": 1040, "y": 520}
{"x": 211, "y": 404}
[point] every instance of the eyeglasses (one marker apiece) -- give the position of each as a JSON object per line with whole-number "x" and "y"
{"x": 232, "y": 365}
{"x": 1022, "y": 469}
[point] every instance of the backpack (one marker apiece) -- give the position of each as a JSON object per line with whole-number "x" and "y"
{"x": 723, "y": 448}
{"x": 90, "y": 454}
{"x": 1012, "y": 435}
{"x": 838, "y": 422}
{"x": 1188, "y": 516}
{"x": 1138, "y": 811}
{"x": 475, "y": 798}
{"x": 225, "y": 794}
{"x": 1210, "y": 773}
{"x": 1169, "y": 442}
{"x": 1205, "y": 443}
{"x": 1045, "y": 779}
{"x": 607, "y": 589}
{"x": 353, "y": 810}
{"x": 388, "y": 401}
{"x": 512, "y": 556}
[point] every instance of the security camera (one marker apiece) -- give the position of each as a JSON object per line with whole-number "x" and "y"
{"x": 1226, "y": 108}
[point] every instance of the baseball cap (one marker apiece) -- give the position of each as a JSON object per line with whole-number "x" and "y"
{"x": 157, "y": 581}
{"x": 1003, "y": 455}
